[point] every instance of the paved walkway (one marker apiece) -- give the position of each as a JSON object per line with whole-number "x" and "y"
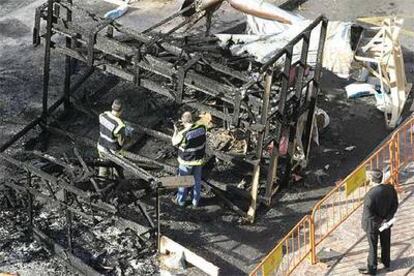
{"x": 347, "y": 248}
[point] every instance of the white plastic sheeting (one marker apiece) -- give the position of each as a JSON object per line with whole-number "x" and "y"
{"x": 338, "y": 55}
{"x": 265, "y": 38}
{"x": 119, "y": 11}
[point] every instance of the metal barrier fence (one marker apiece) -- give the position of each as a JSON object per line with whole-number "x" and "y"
{"x": 404, "y": 138}
{"x": 330, "y": 212}
{"x": 347, "y": 196}
{"x": 289, "y": 252}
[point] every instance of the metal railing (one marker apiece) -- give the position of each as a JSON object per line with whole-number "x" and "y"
{"x": 289, "y": 252}
{"x": 341, "y": 202}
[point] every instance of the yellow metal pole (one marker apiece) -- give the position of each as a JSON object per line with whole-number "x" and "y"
{"x": 312, "y": 239}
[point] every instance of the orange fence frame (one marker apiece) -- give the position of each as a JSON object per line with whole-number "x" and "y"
{"x": 391, "y": 156}
{"x": 288, "y": 247}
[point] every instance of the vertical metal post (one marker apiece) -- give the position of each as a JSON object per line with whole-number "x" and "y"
{"x": 46, "y": 68}
{"x": 29, "y": 202}
{"x": 209, "y": 16}
{"x": 312, "y": 239}
{"x": 68, "y": 66}
{"x": 68, "y": 214}
{"x": 256, "y": 171}
{"x": 315, "y": 88}
{"x": 158, "y": 211}
{"x": 296, "y": 108}
{"x": 271, "y": 176}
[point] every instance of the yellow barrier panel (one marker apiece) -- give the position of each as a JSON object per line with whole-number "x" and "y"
{"x": 356, "y": 180}
{"x": 273, "y": 261}
{"x": 288, "y": 253}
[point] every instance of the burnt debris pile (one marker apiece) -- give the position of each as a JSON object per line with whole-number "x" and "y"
{"x": 96, "y": 224}
{"x": 262, "y": 114}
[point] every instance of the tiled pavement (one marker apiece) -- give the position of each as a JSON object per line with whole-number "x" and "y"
{"x": 349, "y": 245}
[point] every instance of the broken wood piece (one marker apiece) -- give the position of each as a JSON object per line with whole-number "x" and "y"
{"x": 383, "y": 57}
{"x": 139, "y": 229}
{"x": 129, "y": 165}
{"x": 69, "y": 167}
{"x": 177, "y": 181}
{"x": 167, "y": 245}
{"x": 143, "y": 159}
{"x": 150, "y": 132}
{"x": 88, "y": 173}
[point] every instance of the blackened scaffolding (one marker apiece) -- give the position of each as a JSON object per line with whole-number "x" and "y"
{"x": 261, "y": 99}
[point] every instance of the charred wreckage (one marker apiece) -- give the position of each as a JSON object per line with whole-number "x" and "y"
{"x": 267, "y": 102}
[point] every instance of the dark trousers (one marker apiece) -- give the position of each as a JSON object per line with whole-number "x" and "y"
{"x": 385, "y": 240}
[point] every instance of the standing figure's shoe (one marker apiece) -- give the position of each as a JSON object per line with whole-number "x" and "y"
{"x": 175, "y": 201}
{"x": 365, "y": 271}
{"x": 194, "y": 202}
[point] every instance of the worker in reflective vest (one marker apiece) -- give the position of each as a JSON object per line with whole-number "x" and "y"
{"x": 191, "y": 143}
{"x": 111, "y": 135}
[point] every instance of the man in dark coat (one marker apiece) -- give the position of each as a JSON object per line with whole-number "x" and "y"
{"x": 380, "y": 205}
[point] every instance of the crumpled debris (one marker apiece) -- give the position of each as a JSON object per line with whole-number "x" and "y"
{"x": 206, "y": 119}
{"x": 174, "y": 261}
{"x": 350, "y": 148}
{"x": 356, "y": 90}
{"x": 265, "y": 38}
{"x": 117, "y": 12}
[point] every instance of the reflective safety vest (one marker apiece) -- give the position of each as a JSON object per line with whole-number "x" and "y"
{"x": 110, "y": 128}
{"x": 193, "y": 146}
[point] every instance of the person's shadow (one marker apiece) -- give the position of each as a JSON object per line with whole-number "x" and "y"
{"x": 401, "y": 263}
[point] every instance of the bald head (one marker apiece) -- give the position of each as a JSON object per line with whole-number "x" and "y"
{"x": 187, "y": 118}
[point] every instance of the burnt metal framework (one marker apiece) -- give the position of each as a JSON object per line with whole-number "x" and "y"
{"x": 268, "y": 102}
{"x": 61, "y": 189}
{"x": 191, "y": 71}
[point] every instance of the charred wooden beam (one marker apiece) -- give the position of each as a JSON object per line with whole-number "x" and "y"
{"x": 259, "y": 151}
{"x": 130, "y": 166}
{"x": 155, "y": 65}
{"x": 69, "y": 167}
{"x": 63, "y": 185}
{"x": 49, "y": 199}
{"x": 140, "y": 230}
{"x": 73, "y": 262}
{"x": 89, "y": 174}
{"x": 139, "y": 158}
{"x": 169, "y": 18}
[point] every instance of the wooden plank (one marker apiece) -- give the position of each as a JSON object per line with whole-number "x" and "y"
{"x": 130, "y": 166}
{"x": 146, "y": 161}
{"x": 168, "y": 245}
{"x": 139, "y": 229}
{"x": 377, "y": 21}
{"x": 177, "y": 181}
{"x": 265, "y": 112}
